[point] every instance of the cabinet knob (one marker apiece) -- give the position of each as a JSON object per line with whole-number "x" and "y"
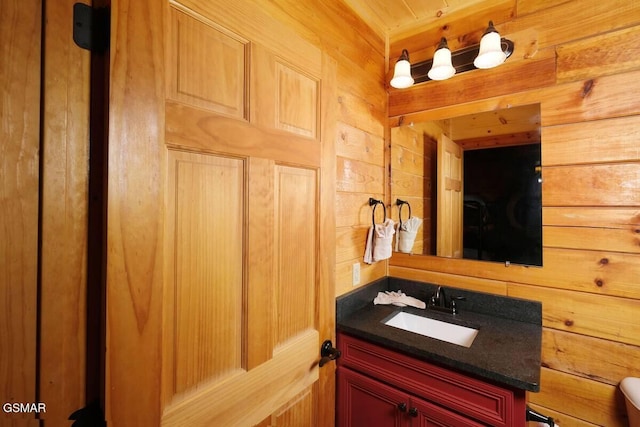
{"x": 413, "y": 412}
{"x": 402, "y": 407}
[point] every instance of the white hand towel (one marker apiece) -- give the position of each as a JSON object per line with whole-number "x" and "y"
{"x": 382, "y": 240}
{"x": 406, "y": 234}
{"x": 398, "y": 298}
{"x": 368, "y": 250}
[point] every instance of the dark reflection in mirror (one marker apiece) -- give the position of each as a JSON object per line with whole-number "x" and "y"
{"x": 502, "y": 216}
{"x": 476, "y": 181}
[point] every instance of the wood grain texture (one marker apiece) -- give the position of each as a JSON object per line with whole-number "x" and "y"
{"x": 611, "y": 184}
{"x": 230, "y": 281}
{"x": 20, "y": 47}
{"x": 559, "y": 418}
{"x": 574, "y": 20}
{"x": 587, "y": 400}
{"x": 260, "y": 277}
{"x": 580, "y": 312}
{"x": 608, "y": 361}
{"x": 606, "y": 54}
{"x": 473, "y": 283}
{"x": 464, "y": 88}
{"x": 296, "y": 228}
{"x": 193, "y": 45}
{"x": 358, "y": 177}
{"x": 226, "y": 403}
{"x": 206, "y": 213}
{"x": 598, "y": 141}
{"x": 359, "y": 145}
{"x": 326, "y": 311}
{"x": 135, "y": 211}
{"x": 590, "y": 256}
{"x": 64, "y": 223}
{"x": 215, "y": 133}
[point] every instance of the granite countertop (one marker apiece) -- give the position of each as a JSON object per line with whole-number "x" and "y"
{"x": 506, "y": 350}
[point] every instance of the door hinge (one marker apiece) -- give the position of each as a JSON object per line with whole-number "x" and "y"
{"x": 91, "y": 27}
{"x": 89, "y": 416}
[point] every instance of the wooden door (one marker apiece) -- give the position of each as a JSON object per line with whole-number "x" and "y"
{"x": 450, "y": 198}
{"x": 220, "y": 212}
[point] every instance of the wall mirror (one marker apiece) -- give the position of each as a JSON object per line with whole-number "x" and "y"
{"x": 476, "y": 182}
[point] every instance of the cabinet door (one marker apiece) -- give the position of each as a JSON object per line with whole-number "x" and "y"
{"x": 427, "y": 414}
{"x": 365, "y": 402}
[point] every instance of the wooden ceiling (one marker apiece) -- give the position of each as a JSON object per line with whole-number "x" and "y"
{"x": 392, "y": 17}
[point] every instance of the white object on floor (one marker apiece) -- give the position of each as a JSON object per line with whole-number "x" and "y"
{"x": 399, "y": 299}
{"x": 630, "y": 387}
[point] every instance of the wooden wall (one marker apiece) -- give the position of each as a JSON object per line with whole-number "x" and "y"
{"x": 579, "y": 60}
{"x": 20, "y": 49}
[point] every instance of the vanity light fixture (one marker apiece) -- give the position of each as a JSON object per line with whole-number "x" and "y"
{"x": 490, "y": 52}
{"x": 441, "y": 69}
{"x": 402, "y": 73}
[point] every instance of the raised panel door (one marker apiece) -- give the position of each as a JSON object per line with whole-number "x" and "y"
{"x": 218, "y": 296}
{"x": 427, "y": 414}
{"x": 363, "y": 401}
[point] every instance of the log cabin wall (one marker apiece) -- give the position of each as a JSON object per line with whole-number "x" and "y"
{"x": 579, "y": 60}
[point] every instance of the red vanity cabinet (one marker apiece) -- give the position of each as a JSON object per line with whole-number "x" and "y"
{"x": 370, "y": 403}
{"x": 385, "y": 388}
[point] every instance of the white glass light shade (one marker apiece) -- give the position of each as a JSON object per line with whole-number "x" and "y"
{"x": 442, "y": 68}
{"x": 402, "y": 74}
{"x": 491, "y": 54}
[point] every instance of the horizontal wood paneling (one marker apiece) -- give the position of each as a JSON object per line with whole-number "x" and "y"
{"x": 368, "y": 274}
{"x": 461, "y": 27}
{"x": 466, "y": 282}
{"x": 608, "y": 184}
{"x": 590, "y": 116}
{"x": 465, "y": 87}
{"x": 356, "y": 144}
{"x": 590, "y": 99}
{"x": 359, "y": 177}
{"x": 613, "y": 140}
{"x": 582, "y": 399}
{"x": 602, "y": 239}
{"x": 576, "y": 20}
{"x": 605, "y": 217}
{"x": 582, "y": 313}
{"x": 604, "y": 273}
{"x": 350, "y": 243}
{"x": 610, "y": 53}
{"x": 608, "y": 361}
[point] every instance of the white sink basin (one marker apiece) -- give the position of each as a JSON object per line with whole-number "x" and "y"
{"x": 443, "y": 331}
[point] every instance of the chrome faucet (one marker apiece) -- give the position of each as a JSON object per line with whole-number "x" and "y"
{"x": 438, "y": 302}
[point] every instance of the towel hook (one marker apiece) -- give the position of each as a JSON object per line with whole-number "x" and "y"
{"x": 373, "y": 202}
{"x": 400, "y": 203}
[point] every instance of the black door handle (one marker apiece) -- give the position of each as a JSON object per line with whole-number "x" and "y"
{"x": 328, "y": 353}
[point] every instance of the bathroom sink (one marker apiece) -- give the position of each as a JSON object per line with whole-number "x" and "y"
{"x": 443, "y": 331}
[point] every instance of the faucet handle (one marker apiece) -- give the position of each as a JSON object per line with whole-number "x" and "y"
{"x": 454, "y": 306}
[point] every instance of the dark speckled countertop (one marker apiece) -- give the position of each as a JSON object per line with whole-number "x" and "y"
{"x": 506, "y": 350}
